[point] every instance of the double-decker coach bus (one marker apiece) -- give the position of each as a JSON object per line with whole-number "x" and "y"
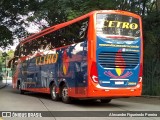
{"x": 96, "y": 56}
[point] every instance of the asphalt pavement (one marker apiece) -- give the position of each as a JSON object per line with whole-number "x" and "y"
{"x": 12, "y": 100}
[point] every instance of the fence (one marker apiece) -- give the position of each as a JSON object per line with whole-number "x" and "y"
{"x": 151, "y": 78}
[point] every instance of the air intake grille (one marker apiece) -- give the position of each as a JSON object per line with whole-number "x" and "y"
{"x": 118, "y": 59}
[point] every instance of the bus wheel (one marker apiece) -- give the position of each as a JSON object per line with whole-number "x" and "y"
{"x": 19, "y": 88}
{"x": 105, "y": 100}
{"x": 64, "y": 94}
{"x": 54, "y": 94}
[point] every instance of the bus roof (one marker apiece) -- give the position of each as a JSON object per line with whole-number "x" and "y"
{"x": 58, "y": 26}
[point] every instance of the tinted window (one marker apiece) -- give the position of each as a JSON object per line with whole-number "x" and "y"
{"x": 71, "y": 34}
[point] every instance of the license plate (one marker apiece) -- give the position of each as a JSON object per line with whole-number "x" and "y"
{"x": 119, "y": 82}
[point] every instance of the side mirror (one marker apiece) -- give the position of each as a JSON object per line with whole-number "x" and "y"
{"x": 9, "y": 63}
{"x": 12, "y": 62}
{"x": 15, "y": 63}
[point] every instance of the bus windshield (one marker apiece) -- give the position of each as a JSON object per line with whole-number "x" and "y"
{"x": 116, "y": 26}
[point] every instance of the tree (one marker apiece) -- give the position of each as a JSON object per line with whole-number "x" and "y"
{"x": 9, "y": 55}
{"x": 12, "y": 22}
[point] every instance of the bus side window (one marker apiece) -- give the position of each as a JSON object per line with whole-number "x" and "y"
{"x": 79, "y": 30}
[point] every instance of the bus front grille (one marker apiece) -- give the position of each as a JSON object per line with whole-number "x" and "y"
{"x": 118, "y": 59}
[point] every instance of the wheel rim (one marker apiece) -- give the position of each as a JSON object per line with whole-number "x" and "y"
{"x": 54, "y": 92}
{"x": 65, "y": 93}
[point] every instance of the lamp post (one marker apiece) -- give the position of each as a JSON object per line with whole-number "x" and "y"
{"x": 4, "y": 54}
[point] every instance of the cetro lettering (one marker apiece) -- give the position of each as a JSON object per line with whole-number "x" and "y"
{"x": 47, "y": 59}
{"x": 119, "y": 24}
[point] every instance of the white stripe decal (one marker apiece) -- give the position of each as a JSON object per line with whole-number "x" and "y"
{"x": 119, "y": 79}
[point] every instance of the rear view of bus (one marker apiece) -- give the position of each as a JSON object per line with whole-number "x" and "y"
{"x": 116, "y": 68}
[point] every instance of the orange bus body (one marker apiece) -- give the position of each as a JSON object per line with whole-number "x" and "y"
{"x": 113, "y": 60}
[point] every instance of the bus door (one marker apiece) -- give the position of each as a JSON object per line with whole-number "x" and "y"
{"x": 28, "y": 74}
{"x": 44, "y": 71}
{"x": 81, "y": 68}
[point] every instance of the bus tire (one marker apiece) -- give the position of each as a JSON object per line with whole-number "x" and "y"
{"x": 54, "y": 94}
{"x": 105, "y": 100}
{"x": 64, "y": 94}
{"x": 19, "y": 88}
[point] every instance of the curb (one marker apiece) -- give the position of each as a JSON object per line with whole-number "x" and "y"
{"x": 148, "y": 96}
{"x": 2, "y": 85}
{"x": 1, "y": 118}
